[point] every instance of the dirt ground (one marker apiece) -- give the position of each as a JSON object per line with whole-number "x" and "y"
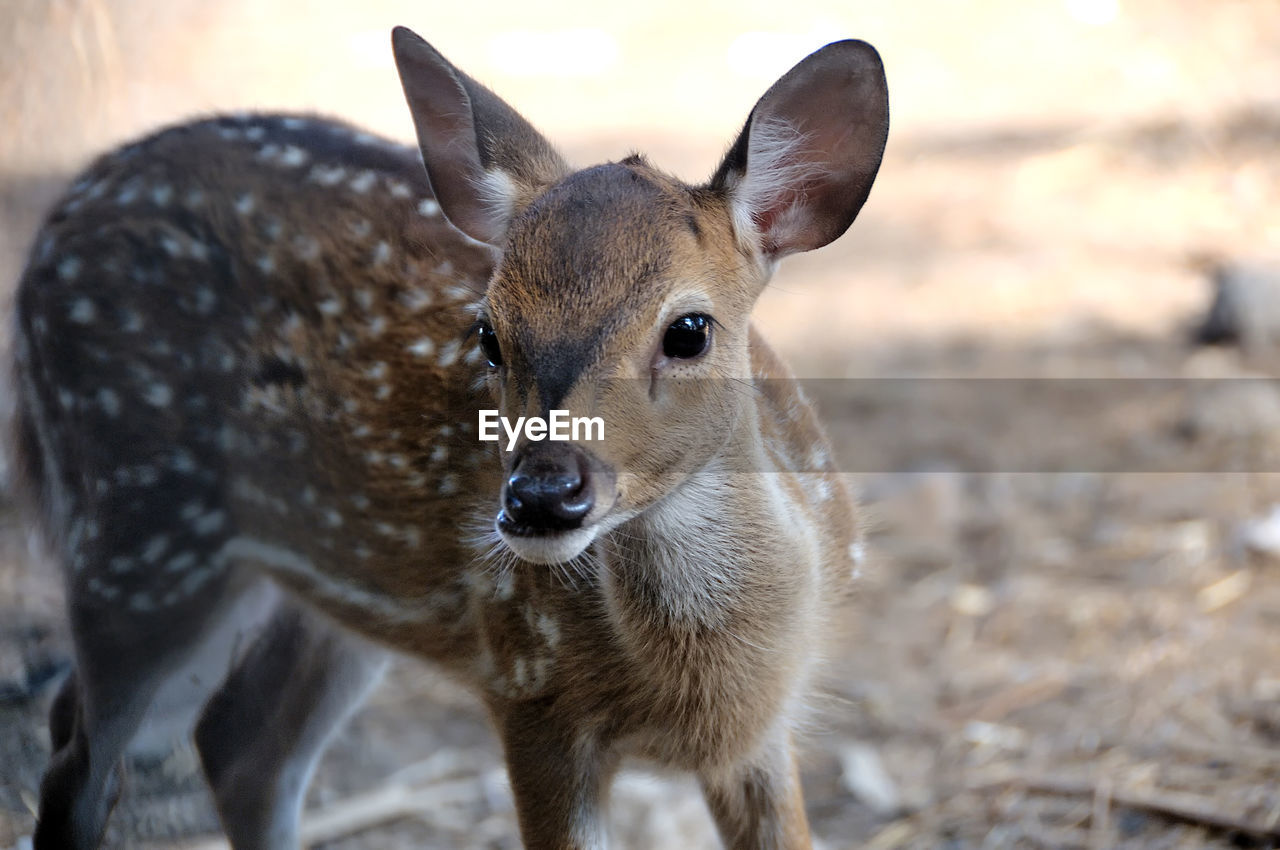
{"x": 1067, "y": 634}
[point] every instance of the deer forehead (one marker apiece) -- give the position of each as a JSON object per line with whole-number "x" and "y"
{"x": 599, "y": 255}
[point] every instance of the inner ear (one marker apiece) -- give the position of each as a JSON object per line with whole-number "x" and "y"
{"x": 804, "y": 164}
{"x": 484, "y": 161}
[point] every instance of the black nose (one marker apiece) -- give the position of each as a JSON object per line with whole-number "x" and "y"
{"x": 549, "y": 490}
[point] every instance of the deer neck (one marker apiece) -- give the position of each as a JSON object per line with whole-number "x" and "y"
{"x": 697, "y": 558}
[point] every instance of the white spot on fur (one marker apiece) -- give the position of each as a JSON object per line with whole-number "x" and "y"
{"x": 158, "y": 394}
{"x": 858, "y": 555}
{"x": 306, "y": 247}
{"x": 162, "y": 194}
{"x": 330, "y": 307}
{"x": 83, "y": 311}
{"x": 69, "y": 268}
{"x": 293, "y": 156}
{"x": 520, "y": 674}
{"x": 381, "y": 253}
{"x": 182, "y": 461}
{"x": 109, "y": 401}
{"x": 363, "y": 182}
{"x": 416, "y": 300}
{"x": 205, "y": 300}
{"x": 422, "y": 347}
{"x": 209, "y": 523}
{"x": 361, "y": 228}
{"x": 155, "y": 548}
{"x": 245, "y": 203}
{"x": 181, "y": 562}
{"x": 549, "y": 629}
{"x": 429, "y": 207}
{"x": 327, "y": 175}
{"x": 448, "y": 354}
{"x": 505, "y": 587}
{"x": 819, "y": 458}
{"x": 822, "y": 488}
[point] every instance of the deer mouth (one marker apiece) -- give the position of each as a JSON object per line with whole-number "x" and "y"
{"x": 542, "y": 545}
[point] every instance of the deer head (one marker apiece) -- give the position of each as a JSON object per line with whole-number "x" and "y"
{"x": 623, "y": 293}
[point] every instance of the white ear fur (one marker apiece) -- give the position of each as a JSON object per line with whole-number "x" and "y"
{"x": 775, "y": 179}
{"x": 803, "y": 166}
{"x": 498, "y": 195}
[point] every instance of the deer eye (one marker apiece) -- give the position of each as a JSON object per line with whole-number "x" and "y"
{"x": 489, "y": 344}
{"x": 687, "y": 336}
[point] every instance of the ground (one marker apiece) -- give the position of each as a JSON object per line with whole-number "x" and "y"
{"x": 1067, "y": 626}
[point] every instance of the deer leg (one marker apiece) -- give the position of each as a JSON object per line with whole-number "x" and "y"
{"x": 559, "y": 779}
{"x": 121, "y": 661}
{"x": 758, "y": 805}
{"x": 81, "y": 784}
{"x": 263, "y": 733}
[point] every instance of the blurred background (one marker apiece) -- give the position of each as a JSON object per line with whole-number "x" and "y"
{"x": 1076, "y": 659}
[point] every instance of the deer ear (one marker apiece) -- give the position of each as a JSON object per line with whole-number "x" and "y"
{"x": 484, "y": 160}
{"x": 805, "y": 161}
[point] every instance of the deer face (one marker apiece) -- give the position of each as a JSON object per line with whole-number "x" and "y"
{"x": 624, "y": 294}
{"x": 619, "y": 295}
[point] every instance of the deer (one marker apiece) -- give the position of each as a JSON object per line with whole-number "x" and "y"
{"x": 250, "y": 352}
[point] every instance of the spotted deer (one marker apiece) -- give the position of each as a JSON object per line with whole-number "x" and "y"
{"x": 250, "y": 352}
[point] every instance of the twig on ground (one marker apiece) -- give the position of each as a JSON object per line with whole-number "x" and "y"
{"x": 387, "y": 803}
{"x": 1178, "y": 805}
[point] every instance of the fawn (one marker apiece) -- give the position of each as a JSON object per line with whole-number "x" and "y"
{"x": 250, "y": 353}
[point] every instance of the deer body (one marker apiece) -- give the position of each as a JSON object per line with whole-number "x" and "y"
{"x": 243, "y": 354}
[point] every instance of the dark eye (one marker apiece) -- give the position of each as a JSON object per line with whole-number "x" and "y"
{"x": 687, "y": 336}
{"x": 489, "y": 345}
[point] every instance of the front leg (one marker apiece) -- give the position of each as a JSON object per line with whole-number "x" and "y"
{"x": 758, "y": 805}
{"x": 559, "y": 776}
